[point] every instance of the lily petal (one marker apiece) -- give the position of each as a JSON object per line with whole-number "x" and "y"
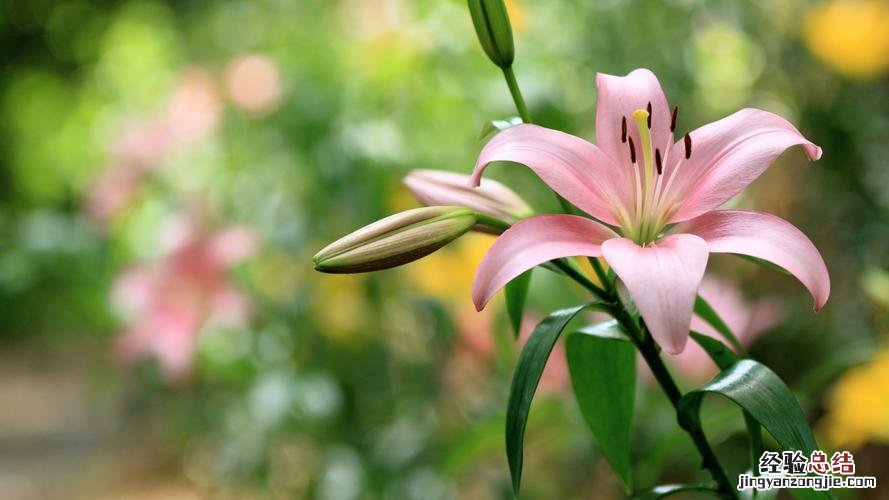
{"x": 726, "y": 156}
{"x": 765, "y": 237}
{"x": 618, "y": 97}
{"x": 571, "y": 166}
{"x": 663, "y": 281}
{"x": 439, "y": 187}
{"x": 531, "y": 242}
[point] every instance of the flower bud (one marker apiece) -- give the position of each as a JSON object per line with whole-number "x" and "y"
{"x": 438, "y": 187}
{"x": 395, "y": 240}
{"x": 491, "y": 23}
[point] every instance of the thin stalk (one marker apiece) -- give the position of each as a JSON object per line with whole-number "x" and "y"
{"x": 646, "y": 345}
{"x": 600, "y": 272}
{"x": 755, "y": 431}
{"x": 649, "y": 349}
{"x": 492, "y": 222}
{"x": 572, "y": 271}
{"x": 516, "y": 94}
{"x": 522, "y": 108}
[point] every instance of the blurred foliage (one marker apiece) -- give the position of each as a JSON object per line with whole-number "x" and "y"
{"x": 297, "y": 120}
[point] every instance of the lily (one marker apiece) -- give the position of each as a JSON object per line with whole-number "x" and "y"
{"x": 653, "y": 201}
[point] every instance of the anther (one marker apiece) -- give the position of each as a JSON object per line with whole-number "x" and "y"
{"x": 649, "y": 115}
{"x": 687, "y": 146}
{"x": 657, "y": 161}
{"x": 623, "y": 129}
{"x": 673, "y": 118}
{"x": 632, "y": 150}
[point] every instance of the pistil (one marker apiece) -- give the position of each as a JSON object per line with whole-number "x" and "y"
{"x": 642, "y": 117}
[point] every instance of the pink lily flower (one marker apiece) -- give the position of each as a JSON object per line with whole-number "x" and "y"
{"x": 166, "y": 304}
{"x": 653, "y": 201}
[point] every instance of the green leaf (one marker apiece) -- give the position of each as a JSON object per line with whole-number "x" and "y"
{"x": 603, "y": 373}
{"x": 766, "y": 402}
{"x": 666, "y": 490}
{"x": 706, "y": 313}
{"x": 756, "y": 389}
{"x": 718, "y": 352}
{"x": 491, "y": 127}
{"x": 516, "y": 293}
{"x": 724, "y": 359}
{"x": 530, "y": 366}
{"x": 607, "y": 329}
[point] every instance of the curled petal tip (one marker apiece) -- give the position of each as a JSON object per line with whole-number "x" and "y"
{"x": 479, "y": 303}
{"x": 675, "y": 348}
{"x": 814, "y": 152}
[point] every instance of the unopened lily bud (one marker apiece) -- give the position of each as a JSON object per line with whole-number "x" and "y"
{"x": 395, "y": 240}
{"x": 438, "y": 187}
{"x": 491, "y": 23}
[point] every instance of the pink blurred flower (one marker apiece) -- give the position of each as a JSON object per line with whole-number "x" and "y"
{"x": 476, "y": 331}
{"x": 112, "y": 191}
{"x": 555, "y": 377}
{"x": 192, "y": 112}
{"x": 195, "y": 109}
{"x": 745, "y": 319}
{"x": 142, "y": 144}
{"x": 253, "y": 82}
{"x": 166, "y": 303}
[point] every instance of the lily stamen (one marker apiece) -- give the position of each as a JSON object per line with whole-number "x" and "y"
{"x": 673, "y": 118}
{"x": 648, "y": 108}
{"x": 623, "y": 129}
{"x": 687, "y": 146}
{"x": 657, "y": 161}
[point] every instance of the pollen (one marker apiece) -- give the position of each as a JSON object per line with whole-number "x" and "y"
{"x": 673, "y": 118}
{"x": 632, "y": 150}
{"x": 687, "y": 146}
{"x": 623, "y": 129}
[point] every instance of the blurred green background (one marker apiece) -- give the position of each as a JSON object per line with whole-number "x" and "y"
{"x": 167, "y": 170}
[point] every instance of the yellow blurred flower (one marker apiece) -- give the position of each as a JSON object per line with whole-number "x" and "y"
{"x": 859, "y": 406}
{"x": 339, "y": 305}
{"x": 850, "y": 36}
{"x": 275, "y": 275}
{"x": 448, "y": 273}
{"x": 518, "y": 15}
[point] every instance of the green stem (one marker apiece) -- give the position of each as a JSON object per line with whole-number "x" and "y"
{"x": 650, "y": 353}
{"x": 755, "y": 431}
{"x": 649, "y": 349}
{"x": 519, "y": 101}
{"x": 600, "y": 272}
{"x": 516, "y": 94}
{"x": 492, "y": 222}
{"x": 570, "y": 268}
